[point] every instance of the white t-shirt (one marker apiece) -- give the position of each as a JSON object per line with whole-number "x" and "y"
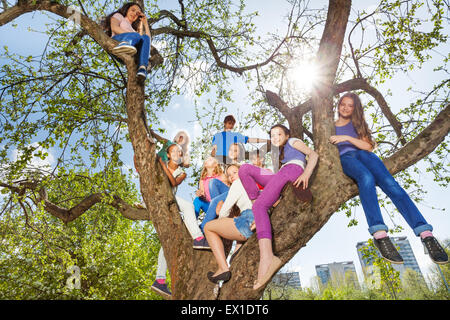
{"x": 178, "y": 171}
{"x": 123, "y": 23}
{"x": 236, "y": 195}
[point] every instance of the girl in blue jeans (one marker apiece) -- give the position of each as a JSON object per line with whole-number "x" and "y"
{"x": 129, "y": 26}
{"x": 355, "y": 144}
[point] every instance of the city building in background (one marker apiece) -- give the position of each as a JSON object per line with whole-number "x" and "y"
{"x": 337, "y": 273}
{"x": 289, "y": 279}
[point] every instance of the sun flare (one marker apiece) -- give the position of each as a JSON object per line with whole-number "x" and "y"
{"x": 304, "y": 75}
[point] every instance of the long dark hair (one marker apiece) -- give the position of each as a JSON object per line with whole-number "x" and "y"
{"x": 277, "y": 153}
{"x": 106, "y": 22}
{"x": 358, "y": 119}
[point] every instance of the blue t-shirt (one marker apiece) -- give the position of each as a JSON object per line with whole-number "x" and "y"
{"x": 225, "y": 139}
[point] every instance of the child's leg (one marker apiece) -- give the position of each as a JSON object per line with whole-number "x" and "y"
{"x": 162, "y": 267}
{"x": 189, "y": 217}
{"x": 269, "y": 196}
{"x": 395, "y": 192}
{"x": 250, "y": 175}
{"x": 357, "y": 170}
{"x": 143, "y": 47}
{"x": 217, "y": 187}
{"x": 211, "y": 212}
{"x": 216, "y": 230}
{"x": 131, "y": 37}
{"x": 200, "y": 204}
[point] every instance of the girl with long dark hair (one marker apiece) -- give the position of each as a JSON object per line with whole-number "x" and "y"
{"x": 355, "y": 144}
{"x": 292, "y": 153}
{"x": 129, "y": 26}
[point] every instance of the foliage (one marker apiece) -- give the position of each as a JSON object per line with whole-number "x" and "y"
{"x": 117, "y": 257}
{"x": 411, "y": 286}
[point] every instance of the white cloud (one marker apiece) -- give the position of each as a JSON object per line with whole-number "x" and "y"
{"x": 36, "y": 163}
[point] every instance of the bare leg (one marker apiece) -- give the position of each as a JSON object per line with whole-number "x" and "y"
{"x": 265, "y": 256}
{"x": 215, "y": 230}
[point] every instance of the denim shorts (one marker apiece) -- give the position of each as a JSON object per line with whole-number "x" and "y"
{"x": 243, "y": 223}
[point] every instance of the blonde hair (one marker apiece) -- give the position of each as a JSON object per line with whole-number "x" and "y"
{"x": 217, "y": 169}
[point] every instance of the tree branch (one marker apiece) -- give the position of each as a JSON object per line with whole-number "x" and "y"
{"x": 67, "y": 215}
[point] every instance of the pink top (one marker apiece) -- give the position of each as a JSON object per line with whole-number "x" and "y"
{"x": 123, "y": 23}
{"x": 206, "y": 185}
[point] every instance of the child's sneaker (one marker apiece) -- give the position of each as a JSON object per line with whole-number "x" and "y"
{"x": 142, "y": 73}
{"x": 435, "y": 250}
{"x": 388, "y": 250}
{"x": 161, "y": 288}
{"x": 201, "y": 244}
{"x": 124, "y": 47}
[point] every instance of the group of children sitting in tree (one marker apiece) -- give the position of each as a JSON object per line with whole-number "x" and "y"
{"x": 236, "y": 196}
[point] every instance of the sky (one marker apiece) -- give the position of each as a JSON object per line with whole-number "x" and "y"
{"x": 335, "y": 242}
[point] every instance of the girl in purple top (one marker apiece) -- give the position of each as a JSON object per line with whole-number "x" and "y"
{"x": 129, "y": 26}
{"x": 355, "y": 144}
{"x": 292, "y": 155}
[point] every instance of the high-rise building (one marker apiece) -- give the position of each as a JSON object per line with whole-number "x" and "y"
{"x": 291, "y": 279}
{"x": 337, "y": 272}
{"x": 405, "y": 250}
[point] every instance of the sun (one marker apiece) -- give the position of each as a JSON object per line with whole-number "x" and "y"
{"x": 303, "y": 75}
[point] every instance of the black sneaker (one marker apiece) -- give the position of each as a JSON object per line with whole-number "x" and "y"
{"x": 161, "y": 288}
{"x": 435, "y": 250}
{"x": 201, "y": 244}
{"x": 387, "y": 250}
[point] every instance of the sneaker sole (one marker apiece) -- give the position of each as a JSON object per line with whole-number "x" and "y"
{"x": 160, "y": 292}
{"x": 201, "y": 248}
{"x": 439, "y": 262}
{"x": 394, "y": 262}
{"x": 141, "y": 76}
{"x": 124, "y": 49}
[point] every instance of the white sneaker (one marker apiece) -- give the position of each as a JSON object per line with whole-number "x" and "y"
{"x": 124, "y": 47}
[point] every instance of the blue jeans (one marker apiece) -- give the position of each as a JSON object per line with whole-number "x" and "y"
{"x": 369, "y": 171}
{"x": 244, "y": 222}
{"x": 218, "y": 191}
{"x": 141, "y": 42}
{"x": 200, "y": 204}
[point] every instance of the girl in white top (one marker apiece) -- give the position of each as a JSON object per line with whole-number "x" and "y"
{"x": 176, "y": 176}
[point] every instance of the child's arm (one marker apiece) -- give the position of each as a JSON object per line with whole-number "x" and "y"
{"x": 311, "y": 164}
{"x": 201, "y": 191}
{"x": 362, "y": 144}
{"x": 258, "y": 140}
{"x": 214, "y": 150}
{"x": 174, "y": 182}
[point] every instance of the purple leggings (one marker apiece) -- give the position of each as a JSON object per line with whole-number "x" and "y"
{"x": 273, "y": 184}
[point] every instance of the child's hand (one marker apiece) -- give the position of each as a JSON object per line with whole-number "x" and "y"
{"x": 304, "y": 178}
{"x": 253, "y": 226}
{"x": 199, "y": 193}
{"x": 338, "y": 139}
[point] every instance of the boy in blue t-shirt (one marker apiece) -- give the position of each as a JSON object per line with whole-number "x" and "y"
{"x": 223, "y": 140}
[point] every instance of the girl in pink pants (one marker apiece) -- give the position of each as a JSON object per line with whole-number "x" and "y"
{"x": 292, "y": 158}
